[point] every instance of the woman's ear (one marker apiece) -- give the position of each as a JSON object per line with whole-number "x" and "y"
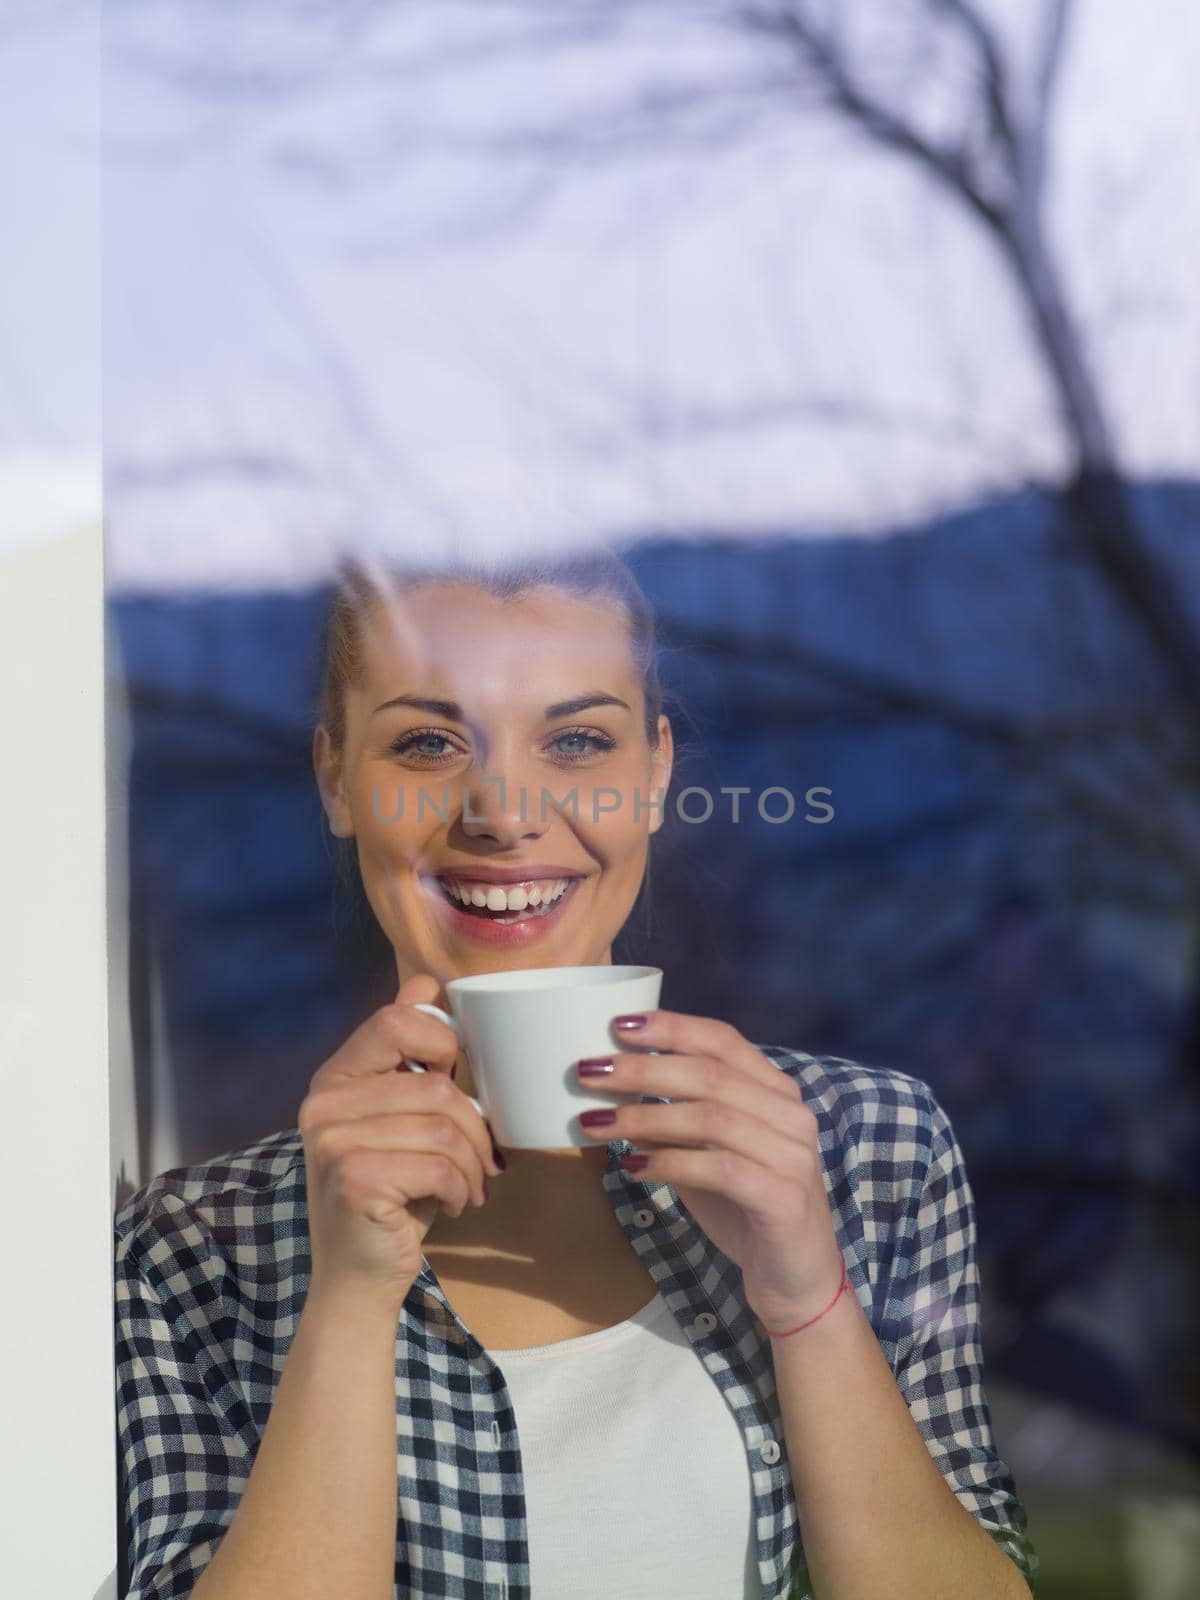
{"x": 661, "y": 762}
{"x": 328, "y": 767}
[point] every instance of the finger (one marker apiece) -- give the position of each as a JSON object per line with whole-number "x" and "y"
{"x": 388, "y": 1187}
{"x": 782, "y": 1144}
{"x": 420, "y": 988}
{"x": 395, "y": 1094}
{"x": 381, "y": 1043}
{"x": 680, "y": 1033}
{"x": 436, "y": 1134}
{"x": 747, "y": 1183}
{"x": 709, "y": 1078}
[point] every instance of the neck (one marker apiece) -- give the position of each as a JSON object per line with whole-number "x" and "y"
{"x": 547, "y": 1204}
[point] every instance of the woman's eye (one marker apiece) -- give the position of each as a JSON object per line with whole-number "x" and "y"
{"x": 591, "y": 742}
{"x": 410, "y": 744}
{"x": 420, "y": 744}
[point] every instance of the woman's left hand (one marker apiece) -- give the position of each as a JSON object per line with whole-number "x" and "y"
{"x": 739, "y": 1146}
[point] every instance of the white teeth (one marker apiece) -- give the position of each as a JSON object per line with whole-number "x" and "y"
{"x": 496, "y": 898}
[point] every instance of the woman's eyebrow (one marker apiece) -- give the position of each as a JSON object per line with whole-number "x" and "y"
{"x": 594, "y": 697}
{"x": 454, "y": 712}
{"x": 437, "y": 708}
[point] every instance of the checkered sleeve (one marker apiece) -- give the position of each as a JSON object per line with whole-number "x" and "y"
{"x": 183, "y": 1464}
{"x": 935, "y": 1310}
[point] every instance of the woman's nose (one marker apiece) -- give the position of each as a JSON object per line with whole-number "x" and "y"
{"x": 502, "y": 807}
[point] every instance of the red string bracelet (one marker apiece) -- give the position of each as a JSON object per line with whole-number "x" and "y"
{"x": 842, "y": 1287}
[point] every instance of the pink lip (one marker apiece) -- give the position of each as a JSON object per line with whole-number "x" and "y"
{"x": 505, "y": 935}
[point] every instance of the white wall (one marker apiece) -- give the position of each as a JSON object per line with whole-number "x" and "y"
{"x": 57, "y": 1471}
{"x": 58, "y": 1465}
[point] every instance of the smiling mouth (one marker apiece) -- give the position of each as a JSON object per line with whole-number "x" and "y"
{"x": 541, "y": 897}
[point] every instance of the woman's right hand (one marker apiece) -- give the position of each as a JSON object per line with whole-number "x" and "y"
{"x": 385, "y": 1147}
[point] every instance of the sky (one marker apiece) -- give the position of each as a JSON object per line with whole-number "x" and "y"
{"x": 348, "y": 300}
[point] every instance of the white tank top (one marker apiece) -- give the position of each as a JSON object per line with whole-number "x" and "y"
{"x": 635, "y": 1470}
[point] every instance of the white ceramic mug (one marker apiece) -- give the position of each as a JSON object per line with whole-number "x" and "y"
{"x": 524, "y": 1031}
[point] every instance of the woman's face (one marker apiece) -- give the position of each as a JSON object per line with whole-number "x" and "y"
{"x": 450, "y": 796}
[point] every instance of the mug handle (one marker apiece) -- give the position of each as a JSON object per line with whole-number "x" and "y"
{"x": 442, "y": 1016}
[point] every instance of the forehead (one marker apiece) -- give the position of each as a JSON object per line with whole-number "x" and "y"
{"x": 457, "y": 637}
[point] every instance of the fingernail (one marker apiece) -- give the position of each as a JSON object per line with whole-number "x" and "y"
{"x": 594, "y": 1066}
{"x": 628, "y": 1023}
{"x": 597, "y": 1119}
{"x": 496, "y": 1156}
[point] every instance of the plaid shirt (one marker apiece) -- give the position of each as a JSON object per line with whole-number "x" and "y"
{"x": 212, "y": 1266}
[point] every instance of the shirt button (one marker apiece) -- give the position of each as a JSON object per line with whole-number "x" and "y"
{"x": 643, "y": 1218}
{"x": 769, "y": 1451}
{"x": 705, "y": 1322}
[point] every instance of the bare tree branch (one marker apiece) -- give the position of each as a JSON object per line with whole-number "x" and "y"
{"x": 995, "y": 75}
{"x": 1031, "y": 153}
{"x": 817, "y": 50}
{"x": 660, "y": 116}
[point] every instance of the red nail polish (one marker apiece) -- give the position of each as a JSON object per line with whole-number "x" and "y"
{"x": 628, "y": 1023}
{"x": 635, "y": 1162}
{"x": 597, "y": 1119}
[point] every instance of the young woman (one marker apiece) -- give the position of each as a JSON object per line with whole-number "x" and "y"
{"x": 730, "y": 1348}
